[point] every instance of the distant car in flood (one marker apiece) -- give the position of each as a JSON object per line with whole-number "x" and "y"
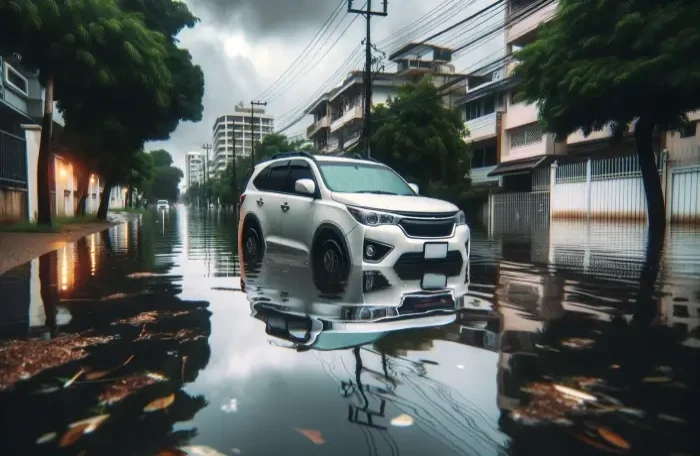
{"x": 162, "y": 205}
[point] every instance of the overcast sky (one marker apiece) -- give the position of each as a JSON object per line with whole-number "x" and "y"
{"x": 244, "y": 46}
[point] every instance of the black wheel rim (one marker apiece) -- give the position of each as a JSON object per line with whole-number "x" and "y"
{"x": 251, "y": 243}
{"x": 331, "y": 258}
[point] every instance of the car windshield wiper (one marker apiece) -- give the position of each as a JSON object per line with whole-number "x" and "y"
{"x": 377, "y": 192}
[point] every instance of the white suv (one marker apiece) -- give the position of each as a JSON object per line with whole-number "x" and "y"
{"x": 345, "y": 212}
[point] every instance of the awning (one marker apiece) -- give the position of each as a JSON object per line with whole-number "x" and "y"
{"x": 518, "y": 166}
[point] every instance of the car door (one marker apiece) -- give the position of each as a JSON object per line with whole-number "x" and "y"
{"x": 298, "y": 215}
{"x": 268, "y": 200}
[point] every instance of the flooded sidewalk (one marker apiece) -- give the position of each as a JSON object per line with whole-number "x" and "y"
{"x": 145, "y": 335}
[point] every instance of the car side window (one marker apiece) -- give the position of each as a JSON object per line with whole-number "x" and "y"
{"x": 278, "y": 176}
{"x": 298, "y": 169}
{"x": 260, "y": 181}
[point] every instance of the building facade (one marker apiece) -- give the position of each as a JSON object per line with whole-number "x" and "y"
{"x": 235, "y": 134}
{"x": 338, "y": 114}
{"x": 194, "y": 168}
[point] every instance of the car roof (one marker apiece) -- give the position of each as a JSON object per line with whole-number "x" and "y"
{"x": 318, "y": 158}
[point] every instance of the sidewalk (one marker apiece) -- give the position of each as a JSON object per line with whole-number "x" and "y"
{"x": 19, "y": 248}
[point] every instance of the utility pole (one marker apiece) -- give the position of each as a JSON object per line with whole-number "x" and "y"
{"x": 368, "y": 13}
{"x": 253, "y": 104}
{"x": 207, "y": 147}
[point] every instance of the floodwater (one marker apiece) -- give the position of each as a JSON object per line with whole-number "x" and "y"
{"x": 144, "y": 340}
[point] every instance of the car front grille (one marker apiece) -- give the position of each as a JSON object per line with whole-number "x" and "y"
{"x": 412, "y": 266}
{"x": 427, "y": 303}
{"x": 427, "y": 228}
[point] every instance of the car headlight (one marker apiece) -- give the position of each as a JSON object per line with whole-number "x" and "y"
{"x": 460, "y": 218}
{"x": 373, "y": 218}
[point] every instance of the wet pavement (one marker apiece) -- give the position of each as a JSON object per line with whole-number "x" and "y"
{"x": 144, "y": 340}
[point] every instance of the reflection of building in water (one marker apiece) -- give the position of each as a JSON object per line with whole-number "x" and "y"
{"x": 123, "y": 236}
{"x": 66, "y": 267}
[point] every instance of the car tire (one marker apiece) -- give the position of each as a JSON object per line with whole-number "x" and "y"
{"x": 253, "y": 246}
{"x": 330, "y": 263}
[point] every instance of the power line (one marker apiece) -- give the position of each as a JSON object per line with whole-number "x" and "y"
{"x": 322, "y": 30}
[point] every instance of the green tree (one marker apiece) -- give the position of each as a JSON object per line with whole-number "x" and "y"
{"x": 76, "y": 46}
{"x": 423, "y": 140}
{"x": 278, "y": 142}
{"x": 141, "y": 173}
{"x": 165, "y": 178}
{"x": 599, "y": 63}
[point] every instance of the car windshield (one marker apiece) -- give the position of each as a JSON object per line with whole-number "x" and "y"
{"x": 363, "y": 178}
{"x": 162, "y": 202}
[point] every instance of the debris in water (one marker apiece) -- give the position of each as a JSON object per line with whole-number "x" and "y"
{"x": 671, "y": 418}
{"x": 580, "y": 395}
{"x": 96, "y": 375}
{"x": 656, "y": 380}
{"x": 590, "y": 441}
{"x": 313, "y": 435}
{"x": 171, "y": 452}
{"x": 613, "y": 438}
{"x": 577, "y": 342}
{"x": 122, "y": 388}
{"x": 402, "y": 421}
{"x": 549, "y": 403}
{"x": 23, "y": 359}
{"x": 150, "y": 317}
{"x": 79, "y": 428}
{"x": 200, "y": 450}
{"x": 46, "y": 438}
{"x": 160, "y": 403}
{"x": 74, "y": 378}
{"x": 142, "y": 275}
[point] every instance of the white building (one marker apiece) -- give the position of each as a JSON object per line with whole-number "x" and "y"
{"x": 194, "y": 168}
{"x": 233, "y": 134}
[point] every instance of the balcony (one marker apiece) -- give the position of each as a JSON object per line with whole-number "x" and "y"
{"x": 324, "y": 122}
{"x": 519, "y": 114}
{"x": 522, "y": 30}
{"x": 349, "y": 115}
{"x": 483, "y": 127}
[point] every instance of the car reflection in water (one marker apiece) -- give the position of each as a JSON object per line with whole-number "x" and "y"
{"x": 402, "y": 307}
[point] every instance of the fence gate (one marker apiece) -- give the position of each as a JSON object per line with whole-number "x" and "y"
{"x": 519, "y": 212}
{"x": 684, "y": 205}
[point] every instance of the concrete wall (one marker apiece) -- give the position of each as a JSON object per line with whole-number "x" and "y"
{"x": 13, "y": 205}
{"x": 32, "y": 135}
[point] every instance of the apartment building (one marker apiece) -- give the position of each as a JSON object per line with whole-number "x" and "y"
{"x": 510, "y": 147}
{"x": 338, "y": 114}
{"x": 235, "y": 134}
{"x": 194, "y": 168}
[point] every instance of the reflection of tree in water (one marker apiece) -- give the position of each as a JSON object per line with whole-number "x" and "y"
{"x": 637, "y": 383}
{"x": 399, "y": 343}
{"x": 123, "y": 360}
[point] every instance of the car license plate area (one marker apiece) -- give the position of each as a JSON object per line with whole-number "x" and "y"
{"x": 422, "y": 303}
{"x": 433, "y": 281}
{"x": 435, "y": 250}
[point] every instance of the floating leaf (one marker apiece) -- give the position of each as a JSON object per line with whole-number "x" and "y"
{"x": 313, "y": 435}
{"x": 46, "y": 438}
{"x": 402, "y": 421}
{"x": 201, "y": 450}
{"x": 79, "y": 428}
{"x": 673, "y": 419}
{"x": 656, "y": 379}
{"x": 160, "y": 403}
{"x": 96, "y": 375}
{"x": 594, "y": 443}
{"x": 614, "y": 438}
{"x": 575, "y": 393}
{"x": 171, "y": 452}
{"x": 74, "y": 378}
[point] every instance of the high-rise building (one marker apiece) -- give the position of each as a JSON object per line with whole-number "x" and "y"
{"x": 232, "y": 135}
{"x": 194, "y": 168}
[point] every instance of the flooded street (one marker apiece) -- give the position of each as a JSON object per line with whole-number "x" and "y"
{"x": 144, "y": 340}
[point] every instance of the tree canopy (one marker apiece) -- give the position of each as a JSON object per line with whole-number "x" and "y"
{"x": 278, "y": 142}
{"x": 599, "y": 63}
{"x": 423, "y": 140}
{"x": 164, "y": 179}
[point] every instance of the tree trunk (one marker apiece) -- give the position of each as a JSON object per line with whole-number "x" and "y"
{"x": 104, "y": 200}
{"x": 129, "y": 196}
{"x": 650, "y": 174}
{"x": 646, "y": 304}
{"x": 83, "y": 190}
{"x": 43, "y": 162}
{"x": 47, "y": 279}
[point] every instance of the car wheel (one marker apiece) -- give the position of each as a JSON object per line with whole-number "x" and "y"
{"x": 253, "y": 245}
{"x": 330, "y": 263}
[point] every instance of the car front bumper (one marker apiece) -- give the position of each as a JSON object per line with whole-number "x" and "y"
{"x": 404, "y": 248}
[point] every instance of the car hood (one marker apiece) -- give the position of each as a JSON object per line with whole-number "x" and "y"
{"x": 395, "y": 203}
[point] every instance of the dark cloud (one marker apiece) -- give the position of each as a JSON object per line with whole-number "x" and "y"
{"x": 265, "y": 17}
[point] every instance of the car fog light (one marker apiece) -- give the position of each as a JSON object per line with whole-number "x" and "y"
{"x": 370, "y": 251}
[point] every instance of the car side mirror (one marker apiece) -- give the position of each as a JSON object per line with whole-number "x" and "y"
{"x": 305, "y": 186}
{"x": 414, "y": 187}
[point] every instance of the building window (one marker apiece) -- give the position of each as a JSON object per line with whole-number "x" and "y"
{"x": 472, "y": 110}
{"x": 489, "y": 104}
{"x": 481, "y": 107}
{"x": 524, "y": 136}
{"x": 16, "y": 80}
{"x": 484, "y": 156}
